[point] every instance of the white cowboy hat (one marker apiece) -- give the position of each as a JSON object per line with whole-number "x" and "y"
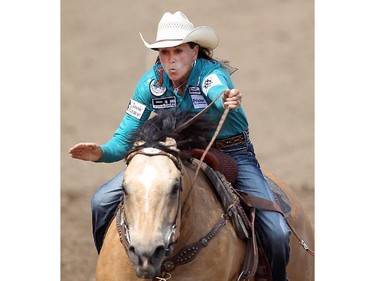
{"x": 175, "y": 29}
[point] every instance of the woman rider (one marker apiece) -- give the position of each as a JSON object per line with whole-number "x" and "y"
{"x": 186, "y": 77}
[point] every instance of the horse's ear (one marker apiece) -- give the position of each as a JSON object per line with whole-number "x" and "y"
{"x": 170, "y": 143}
{"x": 139, "y": 143}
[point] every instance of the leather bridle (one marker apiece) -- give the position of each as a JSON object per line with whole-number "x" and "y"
{"x": 122, "y": 222}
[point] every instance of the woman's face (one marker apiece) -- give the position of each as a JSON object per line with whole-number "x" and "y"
{"x": 177, "y": 61}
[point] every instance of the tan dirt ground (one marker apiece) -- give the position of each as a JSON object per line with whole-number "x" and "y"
{"x": 102, "y": 58}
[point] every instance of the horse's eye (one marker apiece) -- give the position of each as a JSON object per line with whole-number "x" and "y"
{"x": 176, "y": 188}
{"x": 124, "y": 189}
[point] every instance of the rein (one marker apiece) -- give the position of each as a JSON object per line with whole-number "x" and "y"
{"x": 218, "y": 128}
{"x": 221, "y": 122}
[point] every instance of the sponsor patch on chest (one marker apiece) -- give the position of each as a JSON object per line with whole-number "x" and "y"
{"x": 135, "y": 109}
{"x": 157, "y": 90}
{"x": 167, "y": 102}
{"x": 196, "y": 97}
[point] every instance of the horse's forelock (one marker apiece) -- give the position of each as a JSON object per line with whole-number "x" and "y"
{"x": 162, "y": 128}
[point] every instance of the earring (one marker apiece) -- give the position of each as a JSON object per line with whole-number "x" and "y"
{"x": 193, "y": 63}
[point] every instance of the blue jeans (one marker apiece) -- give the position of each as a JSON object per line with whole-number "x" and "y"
{"x": 272, "y": 226}
{"x": 103, "y": 206}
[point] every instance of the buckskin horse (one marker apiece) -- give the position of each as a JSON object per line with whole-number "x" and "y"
{"x": 171, "y": 225}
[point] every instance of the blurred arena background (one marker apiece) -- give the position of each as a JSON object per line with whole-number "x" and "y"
{"x": 102, "y": 58}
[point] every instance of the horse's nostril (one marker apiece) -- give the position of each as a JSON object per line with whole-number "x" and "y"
{"x": 132, "y": 249}
{"x": 158, "y": 254}
{"x": 132, "y": 255}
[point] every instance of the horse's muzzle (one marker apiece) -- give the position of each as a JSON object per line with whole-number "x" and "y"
{"x": 147, "y": 263}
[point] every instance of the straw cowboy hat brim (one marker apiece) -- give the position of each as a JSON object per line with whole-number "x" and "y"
{"x": 203, "y": 35}
{"x": 175, "y": 29}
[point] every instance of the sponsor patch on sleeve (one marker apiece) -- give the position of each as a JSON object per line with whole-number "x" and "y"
{"x": 135, "y": 109}
{"x": 209, "y": 82}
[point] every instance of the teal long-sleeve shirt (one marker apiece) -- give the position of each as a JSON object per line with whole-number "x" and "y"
{"x": 154, "y": 92}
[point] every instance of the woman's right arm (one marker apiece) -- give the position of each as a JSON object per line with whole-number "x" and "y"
{"x": 137, "y": 113}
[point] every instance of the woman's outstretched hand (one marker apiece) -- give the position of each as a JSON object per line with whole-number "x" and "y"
{"x": 232, "y": 99}
{"x": 86, "y": 151}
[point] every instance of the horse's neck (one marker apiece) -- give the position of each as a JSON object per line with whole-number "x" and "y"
{"x": 200, "y": 208}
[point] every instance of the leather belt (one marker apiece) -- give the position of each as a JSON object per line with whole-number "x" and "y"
{"x": 237, "y": 139}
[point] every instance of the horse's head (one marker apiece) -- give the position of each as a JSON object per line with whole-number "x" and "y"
{"x": 152, "y": 186}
